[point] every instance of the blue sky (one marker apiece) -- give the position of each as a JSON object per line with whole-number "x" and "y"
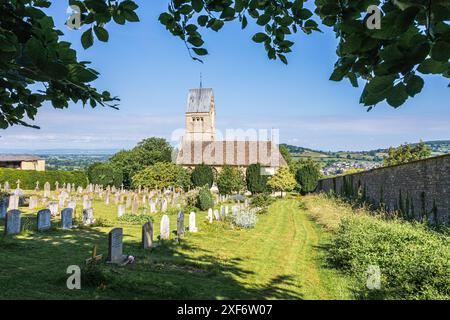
{"x": 151, "y": 72}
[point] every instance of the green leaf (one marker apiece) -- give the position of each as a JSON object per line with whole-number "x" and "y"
{"x": 397, "y": 95}
{"x": 260, "y": 37}
{"x": 263, "y": 19}
{"x": 165, "y": 17}
{"x": 195, "y": 41}
{"x": 101, "y": 33}
{"x": 217, "y": 25}
{"x": 244, "y": 22}
{"x": 131, "y": 16}
{"x": 282, "y": 58}
{"x": 202, "y": 20}
{"x": 87, "y": 39}
{"x": 441, "y": 51}
{"x": 432, "y": 66}
{"x": 380, "y": 83}
{"x": 414, "y": 85}
{"x": 200, "y": 51}
{"x": 197, "y": 5}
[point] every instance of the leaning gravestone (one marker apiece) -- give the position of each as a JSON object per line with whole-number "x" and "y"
{"x": 66, "y": 218}
{"x": 115, "y": 246}
{"x": 165, "y": 228}
{"x": 147, "y": 235}
{"x": 180, "y": 224}
{"x": 12, "y": 225}
{"x": 192, "y": 226}
{"x": 43, "y": 220}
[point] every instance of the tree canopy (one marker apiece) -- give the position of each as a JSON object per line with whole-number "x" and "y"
{"x": 406, "y": 153}
{"x": 36, "y": 66}
{"x": 283, "y": 180}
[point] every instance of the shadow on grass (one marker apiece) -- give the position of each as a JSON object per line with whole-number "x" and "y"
{"x": 35, "y": 264}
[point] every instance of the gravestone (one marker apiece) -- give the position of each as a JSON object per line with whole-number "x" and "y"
{"x": 115, "y": 246}
{"x": 165, "y": 228}
{"x": 147, "y": 235}
{"x": 12, "y": 225}
{"x": 6, "y": 187}
{"x": 13, "y": 203}
{"x": 33, "y": 202}
{"x": 88, "y": 216}
{"x": 135, "y": 204}
{"x": 53, "y": 207}
{"x": 43, "y": 220}
{"x": 180, "y": 224}
{"x": 192, "y": 226}
{"x": 3, "y": 207}
{"x": 120, "y": 210}
{"x": 210, "y": 215}
{"x": 217, "y": 215}
{"x": 226, "y": 211}
{"x": 72, "y": 204}
{"x": 152, "y": 207}
{"x": 66, "y": 218}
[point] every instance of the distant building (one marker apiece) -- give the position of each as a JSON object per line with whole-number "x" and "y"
{"x": 22, "y": 162}
{"x": 200, "y": 145}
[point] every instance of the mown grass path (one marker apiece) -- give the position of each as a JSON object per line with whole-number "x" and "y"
{"x": 282, "y": 258}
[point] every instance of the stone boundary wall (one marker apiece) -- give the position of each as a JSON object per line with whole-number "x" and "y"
{"x": 419, "y": 190}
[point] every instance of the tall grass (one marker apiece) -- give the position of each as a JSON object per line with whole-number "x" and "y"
{"x": 413, "y": 259}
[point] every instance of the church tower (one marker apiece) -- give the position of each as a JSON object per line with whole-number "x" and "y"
{"x": 200, "y": 115}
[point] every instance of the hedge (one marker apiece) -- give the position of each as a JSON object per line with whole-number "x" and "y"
{"x": 28, "y": 178}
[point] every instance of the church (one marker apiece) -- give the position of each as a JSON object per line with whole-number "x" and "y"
{"x": 201, "y": 145}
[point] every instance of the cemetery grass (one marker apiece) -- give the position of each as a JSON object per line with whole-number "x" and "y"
{"x": 282, "y": 258}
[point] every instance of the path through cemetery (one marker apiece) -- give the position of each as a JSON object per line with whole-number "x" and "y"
{"x": 281, "y": 258}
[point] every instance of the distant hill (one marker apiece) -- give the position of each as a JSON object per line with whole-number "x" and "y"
{"x": 437, "y": 146}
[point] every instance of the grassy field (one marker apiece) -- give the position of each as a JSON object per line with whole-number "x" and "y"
{"x": 282, "y": 258}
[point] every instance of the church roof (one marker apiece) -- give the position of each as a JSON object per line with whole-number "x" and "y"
{"x": 235, "y": 153}
{"x": 199, "y": 100}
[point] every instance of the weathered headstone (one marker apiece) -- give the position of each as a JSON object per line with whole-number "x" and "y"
{"x": 135, "y": 204}
{"x": 13, "y": 203}
{"x": 88, "y": 216}
{"x": 12, "y": 225}
{"x": 192, "y": 225}
{"x": 43, "y": 220}
{"x": 165, "y": 227}
{"x": 33, "y": 202}
{"x": 120, "y": 210}
{"x": 180, "y": 224}
{"x": 66, "y": 218}
{"x": 217, "y": 215}
{"x": 53, "y": 207}
{"x": 3, "y": 207}
{"x": 147, "y": 235}
{"x": 210, "y": 215}
{"x": 115, "y": 246}
{"x": 226, "y": 211}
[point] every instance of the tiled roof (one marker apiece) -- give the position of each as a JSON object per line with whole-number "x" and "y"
{"x": 19, "y": 157}
{"x": 199, "y": 100}
{"x": 236, "y": 153}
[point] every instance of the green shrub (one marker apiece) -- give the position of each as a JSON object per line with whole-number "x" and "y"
{"x": 307, "y": 176}
{"x": 105, "y": 174}
{"x": 414, "y": 261}
{"x": 256, "y": 182}
{"x": 262, "y": 200}
{"x": 205, "y": 199}
{"x": 230, "y": 180}
{"x": 28, "y": 178}
{"x": 161, "y": 175}
{"x": 202, "y": 175}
